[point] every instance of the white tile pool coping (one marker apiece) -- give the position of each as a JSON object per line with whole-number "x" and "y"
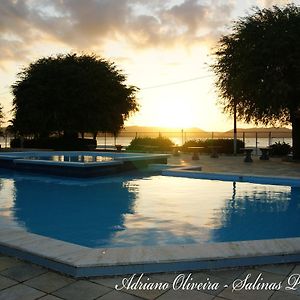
{"x": 117, "y": 157}
{"x": 79, "y": 261}
{"x": 195, "y": 172}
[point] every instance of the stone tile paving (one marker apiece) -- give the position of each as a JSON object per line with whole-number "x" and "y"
{"x": 81, "y": 289}
{"x": 49, "y": 282}
{"x": 44, "y": 284}
{"x": 20, "y": 291}
{"x": 22, "y": 272}
{"x": 24, "y": 281}
{"x": 235, "y": 164}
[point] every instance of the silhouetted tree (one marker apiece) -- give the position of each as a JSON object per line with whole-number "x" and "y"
{"x": 258, "y": 69}
{"x": 1, "y": 114}
{"x": 70, "y": 94}
{"x": 1, "y": 118}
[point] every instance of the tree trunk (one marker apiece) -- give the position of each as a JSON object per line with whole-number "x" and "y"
{"x": 296, "y": 135}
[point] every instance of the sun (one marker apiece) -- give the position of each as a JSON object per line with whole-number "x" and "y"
{"x": 175, "y": 114}
{"x": 168, "y": 108}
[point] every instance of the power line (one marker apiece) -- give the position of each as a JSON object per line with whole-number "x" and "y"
{"x": 160, "y": 85}
{"x": 176, "y": 82}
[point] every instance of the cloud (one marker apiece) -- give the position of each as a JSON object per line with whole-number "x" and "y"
{"x": 26, "y": 24}
{"x": 269, "y": 3}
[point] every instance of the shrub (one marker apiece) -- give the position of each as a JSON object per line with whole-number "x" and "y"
{"x": 145, "y": 143}
{"x": 56, "y": 143}
{"x": 226, "y": 145}
{"x": 280, "y": 149}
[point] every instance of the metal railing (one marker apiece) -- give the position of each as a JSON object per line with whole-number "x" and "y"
{"x": 251, "y": 139}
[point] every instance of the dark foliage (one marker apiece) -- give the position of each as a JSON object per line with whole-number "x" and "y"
{"x": 226, "y": 145}
{"x": 56, "y": 143}
{"x": 70, "y": 94}
{"x": 280, "y": 149}
{"x": 1, "y": 114}
{"x": 258, "y": 68}
{"x": 147, "y": 143}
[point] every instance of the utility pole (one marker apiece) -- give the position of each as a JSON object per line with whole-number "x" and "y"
{"x": 234, "y": 130}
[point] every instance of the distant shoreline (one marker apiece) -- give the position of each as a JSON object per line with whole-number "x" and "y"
{"x": 132, "y": 131}
{"x": 198, "y": 130}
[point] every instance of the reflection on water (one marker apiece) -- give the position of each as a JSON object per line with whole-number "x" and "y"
{"x": 7, "y": 196}
{"x": 267, "y": 213}
{"x": 147, "y": 210}
{"x": 72, "y": 158}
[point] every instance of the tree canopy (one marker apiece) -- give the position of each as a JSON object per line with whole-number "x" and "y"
{"x": 258, "y": 68}
{"x": 1, "y": 114}
{"x": 70, "y": 94}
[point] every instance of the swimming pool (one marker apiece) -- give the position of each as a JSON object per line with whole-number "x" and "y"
{"x": 142, "y": 222}
{"x": 147, "y": 210}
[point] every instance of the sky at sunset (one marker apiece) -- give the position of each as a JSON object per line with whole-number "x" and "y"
{"x": 164, "y": 47}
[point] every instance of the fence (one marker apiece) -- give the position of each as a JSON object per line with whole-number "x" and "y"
{"x": 251, "y": 139}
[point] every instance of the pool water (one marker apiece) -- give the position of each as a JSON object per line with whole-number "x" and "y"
{"x": 73, "y": 158}
{"x": 145, "y": 209}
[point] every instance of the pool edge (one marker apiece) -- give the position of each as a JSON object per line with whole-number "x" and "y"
{"x": 195, "y": 173}
{"x": 79, "y": 261}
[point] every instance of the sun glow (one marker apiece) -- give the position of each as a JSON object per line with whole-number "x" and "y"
{"x": 174, "y": 114}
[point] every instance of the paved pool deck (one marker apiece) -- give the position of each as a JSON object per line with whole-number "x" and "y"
{"x": 24, "y": 281}
{"x": 235, "y": 164}
{"x": 21, "y": 280}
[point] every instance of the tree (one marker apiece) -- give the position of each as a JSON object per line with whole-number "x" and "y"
{"x": 1, "y": 118}
{"x": 1, "y": 114}
{"x": 70, "y": 94}
{"x": 258, "y": 69}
